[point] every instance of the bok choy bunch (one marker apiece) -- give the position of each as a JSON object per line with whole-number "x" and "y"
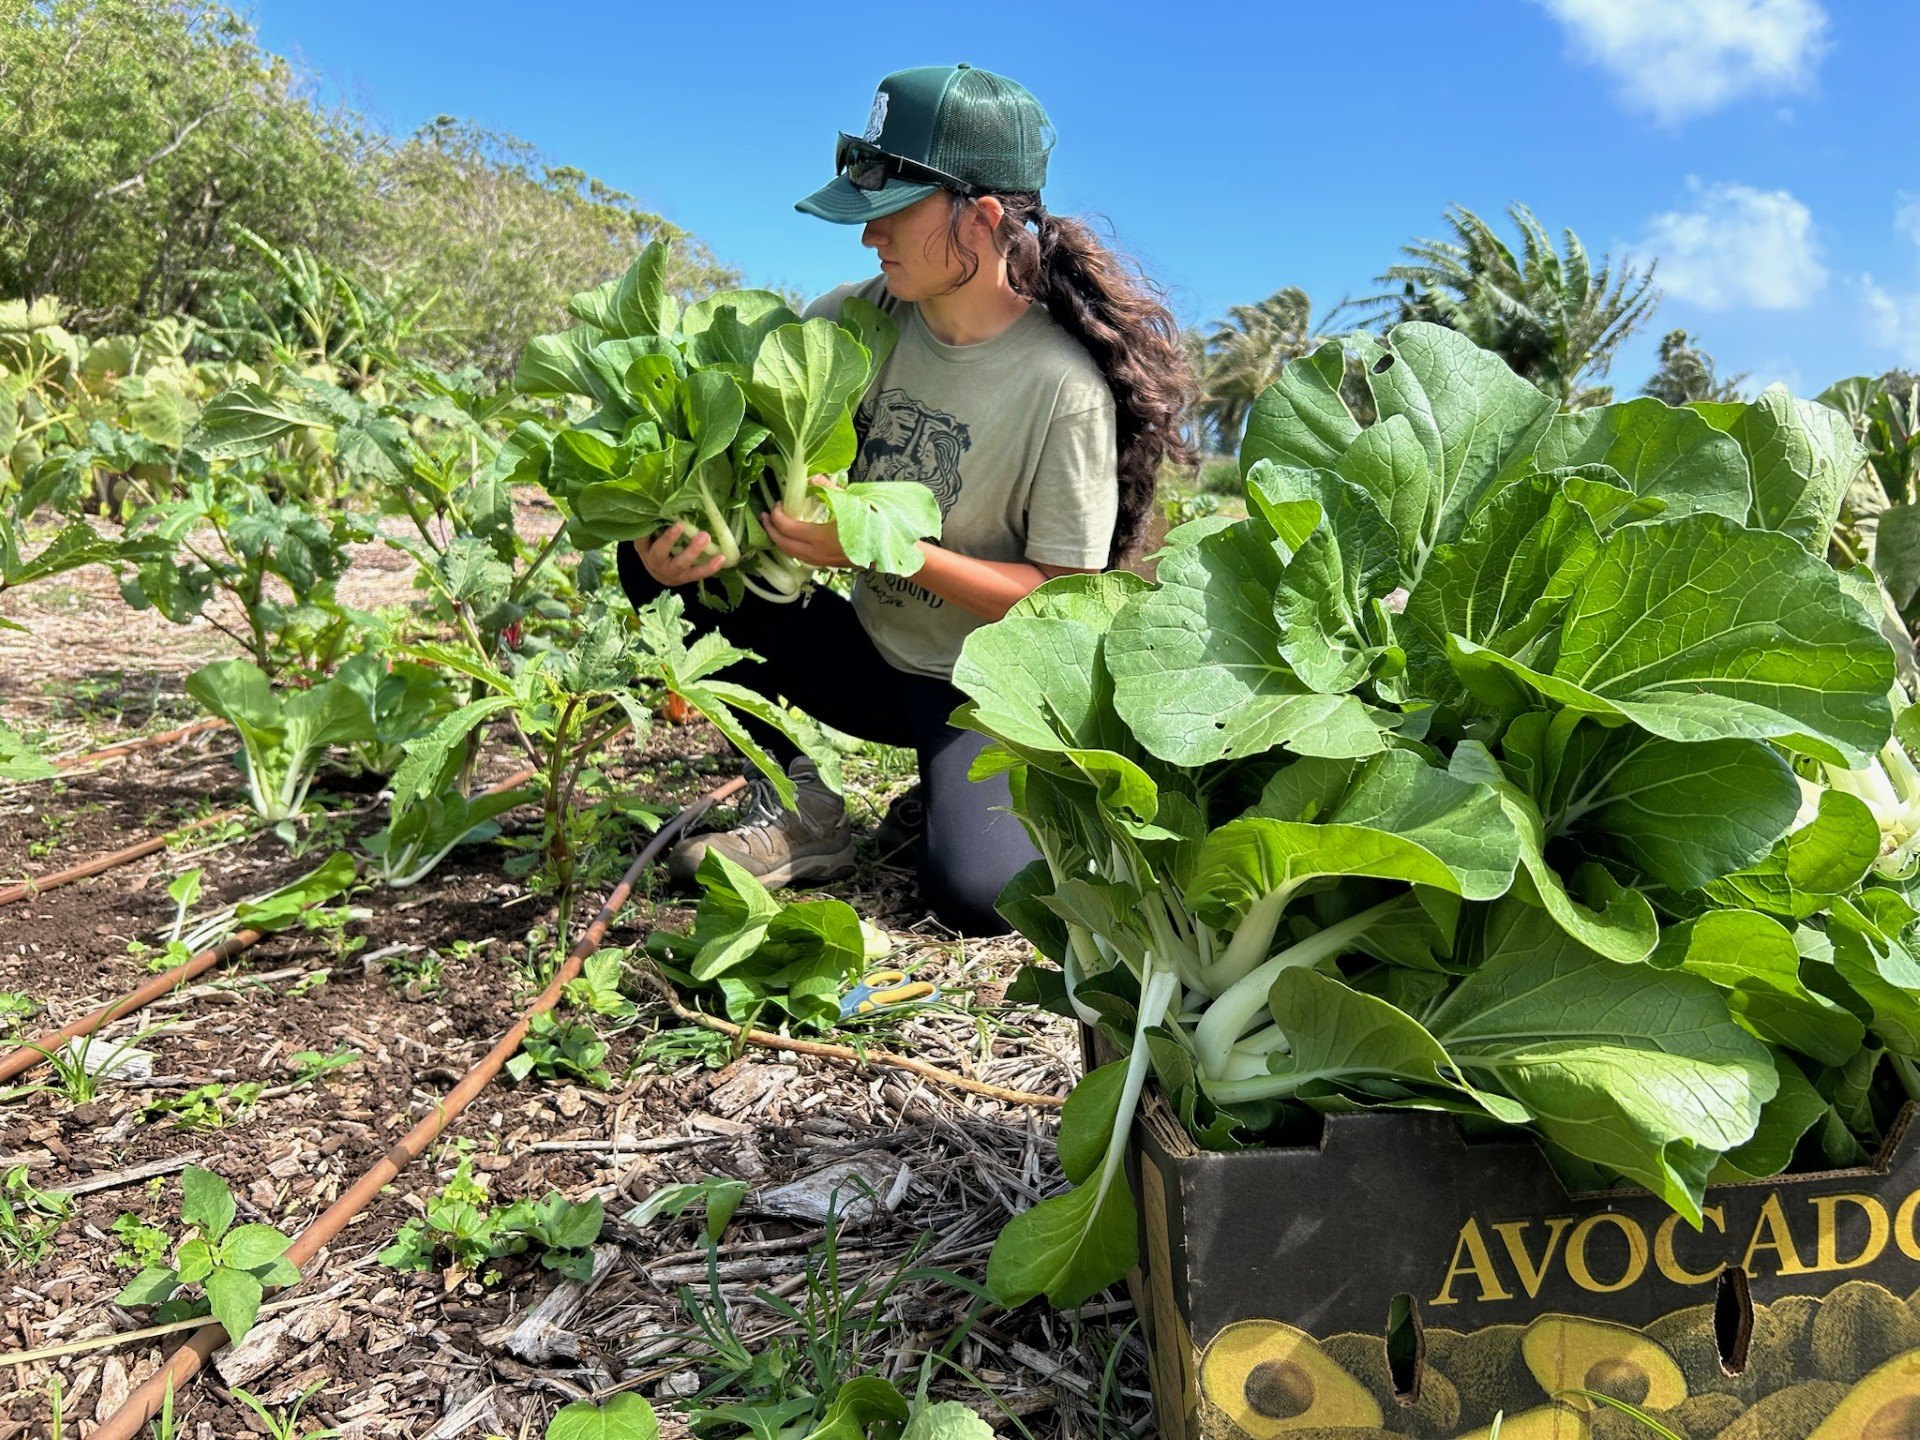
{"x": 711, "y": 415}
{"x": 1466, "y": 773}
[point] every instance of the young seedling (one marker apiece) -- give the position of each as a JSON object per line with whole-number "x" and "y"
{"x": 206, "y": 1107}
{"x": 598, "y": 988}
{"x": 284, "y": 1426}
{"x": 461, "y": 1224}
{"x": 29, "y": 1218}
{"x": 81, "y": 1064}
{"x": 311, "y": 1065}
{"x": 141, "y": 1244}
{"x": 555, "y": 1049}
{"x": 716, "y": 1195}
{"x": 232, "y": 1265}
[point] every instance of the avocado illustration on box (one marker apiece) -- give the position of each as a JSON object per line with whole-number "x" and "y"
{"x": 1845, "y": 1366}
{"x": 1787, "y": 1310}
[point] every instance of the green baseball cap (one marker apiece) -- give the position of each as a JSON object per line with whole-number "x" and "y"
{"x": 970, "y": 125}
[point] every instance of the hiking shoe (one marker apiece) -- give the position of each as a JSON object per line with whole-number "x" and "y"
{"x": 902, "y": 826}
{"x": 778, "y": 846}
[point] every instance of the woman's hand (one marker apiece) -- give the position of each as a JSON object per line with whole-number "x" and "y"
{"x": 812, "y": 544}
{"x": 674, "y": 558}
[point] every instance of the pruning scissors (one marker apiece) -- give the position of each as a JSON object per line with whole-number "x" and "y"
{"x": 878, "y": 989}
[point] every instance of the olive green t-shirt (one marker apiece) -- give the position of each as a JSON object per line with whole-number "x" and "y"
{"x": 1014, "y": 436}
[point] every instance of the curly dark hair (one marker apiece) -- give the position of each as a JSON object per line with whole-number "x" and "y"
{"x": 1122, "y": 319}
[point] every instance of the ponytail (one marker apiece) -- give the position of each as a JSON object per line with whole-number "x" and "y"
{"x": 1124, "y": 324}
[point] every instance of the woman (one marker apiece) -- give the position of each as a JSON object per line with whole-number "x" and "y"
{"x": 1036, "y": 389}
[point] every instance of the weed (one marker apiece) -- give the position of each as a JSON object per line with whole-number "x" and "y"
{"x": 557, "y": 1048}
{"x": 415, "y": 974}
{"x": 162, "y": 1426}
{"x": 57, "y": 825}
{"x": 141, "y": 1244}
{"x": 685, "y": 1045}
{"x": 15, "y": 1006}
{"x": 330, "y": 922}
{"x": 206, "y": 1107}
{"x": 77, "y": 1069}
{"x": 284, "y": 1426}
{"x": 233, "y": 1265}
{"x": 462, "y": 1224}
{"x": 311, "y": 1065}
{"x": 840, "y": 1327}
{"x": 29, "y": 1218}
{"x": 308, "y": 983}
{"x": 598, "y": 988}
{"x": 623, "y": 1417}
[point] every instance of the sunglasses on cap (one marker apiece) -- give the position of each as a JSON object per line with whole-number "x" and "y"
{"x": 867, "y": 167}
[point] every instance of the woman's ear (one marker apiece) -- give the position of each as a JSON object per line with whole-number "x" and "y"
{"x": 989, "y": 212}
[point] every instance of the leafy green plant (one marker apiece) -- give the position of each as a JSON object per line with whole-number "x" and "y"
{"x": 29, "y": 1217}
{"x": 568, "y": 702}
{"x": 555, "y": 1049}
{"x": 716, "y": 1196}
{"x": 16, "y": 1006}
{"x": 18, "y": 759}
{"x": 225, "y": 534}
{"x": 310, "y": 1066}
{"x": 285, "y": 740}
{"x": 1418, "y": 787}
{"x": 297, "y": 902}
{"x": 755, "y": 952}
{"x": 598, "y": 986}
{"x": 232, "y": 1265}
{"x": 461, "y": 1225}
{"x": 430, "y": 812}
{"x": 700, "y": 415}
{"x": 205, "y": 1107}
{"x": 141, "y": 1244}
{"x": 623, "y": 1417}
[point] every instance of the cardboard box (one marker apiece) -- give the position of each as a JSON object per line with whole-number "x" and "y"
{"x": 1268, "y": 1278}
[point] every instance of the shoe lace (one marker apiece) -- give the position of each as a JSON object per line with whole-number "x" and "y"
{"x": 763, "y": 807}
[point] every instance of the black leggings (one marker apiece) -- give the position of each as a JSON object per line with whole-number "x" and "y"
{"x": 817, "y": 656}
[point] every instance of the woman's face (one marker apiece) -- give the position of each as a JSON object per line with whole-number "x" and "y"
{"x": 916, "y": 252}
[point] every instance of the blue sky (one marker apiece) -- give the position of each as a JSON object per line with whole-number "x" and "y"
{"x": 1760, "y": 149}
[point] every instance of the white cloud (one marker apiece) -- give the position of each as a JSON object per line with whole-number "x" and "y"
{"x": 1906, "y": 218}
{"x": 1893, "y": 319}
{"x": 1678, "y": 58}
{"x": 1737, "y": 247}
{"x": 1893, "y": 316}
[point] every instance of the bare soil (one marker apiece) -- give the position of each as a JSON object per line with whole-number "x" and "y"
{"x": 398, "y": 1354}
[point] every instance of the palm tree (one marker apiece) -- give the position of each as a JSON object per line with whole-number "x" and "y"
{"x": 1242, "y": 354}
{"x": 1552, "y": 316}
{"x": 1687, "y": 373}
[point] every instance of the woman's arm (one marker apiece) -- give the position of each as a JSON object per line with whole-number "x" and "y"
{"x": 987, "y": 588}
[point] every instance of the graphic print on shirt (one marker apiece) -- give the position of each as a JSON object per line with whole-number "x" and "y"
{"x": 901, "y": 439}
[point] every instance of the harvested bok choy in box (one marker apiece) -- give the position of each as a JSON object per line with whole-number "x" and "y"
{"x": 711, "y": 415}
{"x": 1532, "y": 771}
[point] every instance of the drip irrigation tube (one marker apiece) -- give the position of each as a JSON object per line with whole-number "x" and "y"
{"x": 143, "y": 1404}
{"x": 30, "y": 1053}
{"x": 145, "y": 742}
{"x": 100, "y": 864}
